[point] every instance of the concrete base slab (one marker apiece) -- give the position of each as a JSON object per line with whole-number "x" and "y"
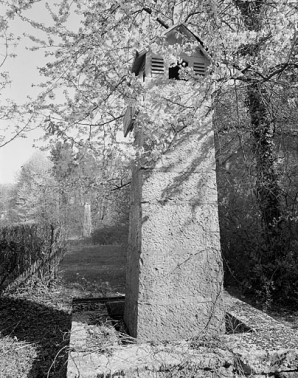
{"x": 256, "y": 346}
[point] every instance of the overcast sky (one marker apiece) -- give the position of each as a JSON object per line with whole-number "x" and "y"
{"x": 23, "y": 72}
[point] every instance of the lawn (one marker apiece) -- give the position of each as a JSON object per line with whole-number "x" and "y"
{"x": 35, "y": 320}
{"x": 94, "y": 268}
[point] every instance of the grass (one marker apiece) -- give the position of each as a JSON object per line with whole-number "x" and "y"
{"x": 35, "y": 320}
{"x": 94, "y": 267}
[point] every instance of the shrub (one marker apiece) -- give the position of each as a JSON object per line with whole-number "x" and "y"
{"x": 262, "y": 263}
{"x": 29, "y": 249}
{"x": 117, "y": 234}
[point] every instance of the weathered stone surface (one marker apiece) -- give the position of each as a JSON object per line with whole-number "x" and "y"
{"x": 174, "y": 272}
{"x": 269, "y": 349}
{"x": 108, "y": 358}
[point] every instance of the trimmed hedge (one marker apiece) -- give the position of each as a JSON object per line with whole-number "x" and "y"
{"x": 29, "y": 249}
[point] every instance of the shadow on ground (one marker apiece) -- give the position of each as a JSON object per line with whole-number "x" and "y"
{"x": 39, "y": 325}
{"x": 35, "y": 322}
{"x": 31, "y": 328}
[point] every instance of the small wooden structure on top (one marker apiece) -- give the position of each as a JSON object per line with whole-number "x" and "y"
{"x": 146, "y": 64}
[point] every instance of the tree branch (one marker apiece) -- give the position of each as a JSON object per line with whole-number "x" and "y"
{"x": 118, "y": 187}
{"x": 17, "y": 133}
{"x": 190, "y": 15}
{"x": 162, "y": 23}
{"x": 282, "y": 68}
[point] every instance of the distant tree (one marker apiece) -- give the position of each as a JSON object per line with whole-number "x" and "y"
{"x": 82, "y": 178}
{"x": 6, "y": 193}
{"x": 36, "y": 195}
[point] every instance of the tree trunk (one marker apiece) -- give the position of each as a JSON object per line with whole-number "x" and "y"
{"x": 262, "y": 127}
{"x": 267, "y": 188}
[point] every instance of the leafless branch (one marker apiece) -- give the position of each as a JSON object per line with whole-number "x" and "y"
{"x": 118, "y": 187}
{"x": 190, "y": 15}
{"x": 17, "y": 134}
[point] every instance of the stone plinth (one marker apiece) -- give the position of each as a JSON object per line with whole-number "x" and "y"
{"x": 174, "y": 269}
{"x": 257, "y": 346}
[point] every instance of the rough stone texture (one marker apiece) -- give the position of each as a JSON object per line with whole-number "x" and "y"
{"x": 109, "y": 356}
{"x": 174, "y": 269}
{"x": 268, "y": 349}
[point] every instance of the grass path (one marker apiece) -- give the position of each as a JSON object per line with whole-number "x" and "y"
{"x": 92, "y": 269}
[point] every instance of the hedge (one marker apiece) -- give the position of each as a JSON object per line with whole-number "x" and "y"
{"x": 30, "y": 249}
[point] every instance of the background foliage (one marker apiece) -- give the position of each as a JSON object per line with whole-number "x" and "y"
{"x": 263, "y": 264}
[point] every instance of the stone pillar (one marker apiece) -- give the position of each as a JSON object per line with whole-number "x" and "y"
{"x": 87, "y": 223}
{"x": 174, "y": 270}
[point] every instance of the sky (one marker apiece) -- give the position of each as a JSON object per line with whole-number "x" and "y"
{"x": 23, "y": 72}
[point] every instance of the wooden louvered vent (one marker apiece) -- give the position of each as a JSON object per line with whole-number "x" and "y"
{"x": 157, "y": 66}
{"x": 129, "y": 119}
{"x": 199, "y": 68}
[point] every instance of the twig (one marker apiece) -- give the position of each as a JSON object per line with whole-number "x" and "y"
{"x": 162, "y": 23}
{"x": 54, "y": 360}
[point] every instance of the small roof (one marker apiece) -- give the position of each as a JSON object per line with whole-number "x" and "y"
{"x": 181, "y": 28}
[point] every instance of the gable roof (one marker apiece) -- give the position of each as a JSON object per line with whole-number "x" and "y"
{"x": 181, "y": 28}
{"x": 184, "y": 30}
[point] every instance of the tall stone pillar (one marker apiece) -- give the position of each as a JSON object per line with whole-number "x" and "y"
{"x": 174, "y": 270}
{"x": 87, "y": 223}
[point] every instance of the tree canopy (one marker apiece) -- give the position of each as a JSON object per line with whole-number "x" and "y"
{"x": 88, "y": 80}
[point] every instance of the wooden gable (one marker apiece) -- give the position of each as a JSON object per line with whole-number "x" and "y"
{"x": 146, "y": 64}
